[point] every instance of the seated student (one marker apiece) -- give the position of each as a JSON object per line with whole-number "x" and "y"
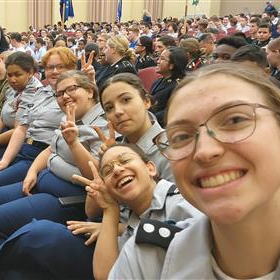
{"x": 263, "y": 35}
{"x": 126, "y": 104}
{"x": 126, "y": 190}
{"x": 37, "y": 125}
{"x": 118, "y": 56}
{"x": 226, "y": 47}
{"x": 20, "y": 68}
{"x": 172, "y": 66}
{"x": 144, "y": 50}
{"x": 273, "y": 57}
{"x": 224, "y": 166}
{"x": 50, "y": 175}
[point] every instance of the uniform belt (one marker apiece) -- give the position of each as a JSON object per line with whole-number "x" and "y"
{"x": 37, "y": 144}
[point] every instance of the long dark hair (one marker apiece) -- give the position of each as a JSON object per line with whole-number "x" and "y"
{"x": 4, "y": 46}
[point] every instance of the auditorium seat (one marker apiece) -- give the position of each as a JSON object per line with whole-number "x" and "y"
{"x": 148, "y": 76}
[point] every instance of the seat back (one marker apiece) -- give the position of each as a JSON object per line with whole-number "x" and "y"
{"x": 148, "y": 76}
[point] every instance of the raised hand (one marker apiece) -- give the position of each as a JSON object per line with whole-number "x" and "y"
{"x": 87, "y": 228}
{"x": 87, "y": 67}
{"x": 69, "y": 129}
{"x": 106, "y": 142}
{"x": 97, "y": 190}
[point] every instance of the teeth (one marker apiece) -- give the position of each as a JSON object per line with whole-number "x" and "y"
{"x": 220, "y": 179}
{"x": 125, "y": 180}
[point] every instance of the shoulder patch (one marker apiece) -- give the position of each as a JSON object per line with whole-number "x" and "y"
{"x": 126, "y": 64}
{"x": 156, "y": 233}
{"x": 173, "y": 190}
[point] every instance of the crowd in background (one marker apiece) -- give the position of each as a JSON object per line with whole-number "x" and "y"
{"x": 98, "y": 92}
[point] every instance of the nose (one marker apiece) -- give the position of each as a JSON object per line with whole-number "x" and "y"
{"x": 118, "y": 168}
{"x": 118, "y": 110}
{"x": 207, "y": 148}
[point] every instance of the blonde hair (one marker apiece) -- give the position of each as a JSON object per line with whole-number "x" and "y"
{"x": 121, "y": 45}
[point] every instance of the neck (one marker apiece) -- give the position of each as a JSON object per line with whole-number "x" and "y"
{"x": 241, "y": 249}
{"x": 134, "y": 137}
{"x": 144, "y": 201}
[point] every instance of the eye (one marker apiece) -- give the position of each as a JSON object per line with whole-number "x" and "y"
{"x": 125, "y": 160}
{"x": 180, "y": 138}
{"x": 126, "y": 99}
{"x": 236, "y": 121}
{"x": 108, "y": 109}
{"x": 106, "y": 170}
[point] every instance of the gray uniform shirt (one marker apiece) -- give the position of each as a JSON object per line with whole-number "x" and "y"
{"x": 146, "y": 144}
{"x": 61, "y": 162}
{"x": 17, "y": 102}
{"x": 163, "y": 207}
{"x": 44, "y": 117}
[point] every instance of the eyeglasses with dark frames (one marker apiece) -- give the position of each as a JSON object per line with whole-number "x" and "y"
{"x": 70, "y": 91}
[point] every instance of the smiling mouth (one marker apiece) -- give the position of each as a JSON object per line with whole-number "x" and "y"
{"x": 220, "y": 179}
{"x": 125, "y": 181}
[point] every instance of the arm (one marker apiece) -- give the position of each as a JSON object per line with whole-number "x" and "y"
{"x": 6, "y": 136}
{"x": 14, "y": 146}
{"x": 106, "y": 250}
{"x": 38, "y": 165}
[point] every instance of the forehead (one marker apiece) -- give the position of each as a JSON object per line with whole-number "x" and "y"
{"x": 165, "y": 53}
{"x": 200, "y": 99}
{"x": 65, "y": 83}
{"x": 14, "y": 68}
{"x": 113, "y": 91}
{"x": 115, "y": 152}
{"x": 263, "y": 30}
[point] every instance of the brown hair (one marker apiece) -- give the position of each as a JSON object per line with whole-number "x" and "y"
{"x": 82, "y": 80}
{"x": 252, "y": 75}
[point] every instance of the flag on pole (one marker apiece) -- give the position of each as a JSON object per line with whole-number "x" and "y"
{"x": 119, "y": 10}
{"x": 195, "y": 2}
{"x": 66, "y": 9}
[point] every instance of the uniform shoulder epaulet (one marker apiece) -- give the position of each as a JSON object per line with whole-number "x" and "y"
{"x": 173, "y": 190}
{"x": 126, "y": 64}
{"x": 156, "y": 233}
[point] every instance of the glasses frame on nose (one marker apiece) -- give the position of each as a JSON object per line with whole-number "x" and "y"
{"x": 58, "y": 67}
{"x": 120, "y": 161}
{"x": 70, "y": 91}
{"x": 162, "y": 141}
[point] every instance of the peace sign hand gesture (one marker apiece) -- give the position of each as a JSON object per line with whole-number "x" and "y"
{"x": 97, "y": 190}
{"x": 69, "y": 129}
{"x": 87, "y": 67}
{"x": 106, "y": 142}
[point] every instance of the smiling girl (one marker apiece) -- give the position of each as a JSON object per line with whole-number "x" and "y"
{"x": 223, "y": 140}
{"x": 126, "y": 104}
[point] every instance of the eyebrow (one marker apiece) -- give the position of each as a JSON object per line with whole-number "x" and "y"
{"x": 225, "y": 105}
{"x": 122, "y": 94}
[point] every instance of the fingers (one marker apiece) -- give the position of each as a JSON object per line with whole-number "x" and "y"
{"x": 111, "y": 130}
{"x": 94, "y": 170}
{"x": 70, "y": 113}
{"x": 83, "y": 60}
{"x": 27, "y": 187}
{"x": 92, "y": 238}
{"x": 90, "y": 59}
{"x": 100, "y": 133}
{"x": 82, "y": 180}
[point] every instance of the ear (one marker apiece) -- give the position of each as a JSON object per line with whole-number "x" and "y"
{"x": 171, "y": 66}
{"x": 147, "y": 103}
{"x": 151, "y": 168}
{"x": 90, "y": 94}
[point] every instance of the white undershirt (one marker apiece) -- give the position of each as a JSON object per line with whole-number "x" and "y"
{"x": 221, "y": 275}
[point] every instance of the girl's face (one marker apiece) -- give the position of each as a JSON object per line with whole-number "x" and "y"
{"x": 126, "y": 110}
{"x": 109, "y": 53}
{"x": 228, "y": 182}
{"x": 69, "y": 92}
{"x": 18, "y": 77}
{"x": 127, "y": 177}
{"x": 54, "y": 67}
